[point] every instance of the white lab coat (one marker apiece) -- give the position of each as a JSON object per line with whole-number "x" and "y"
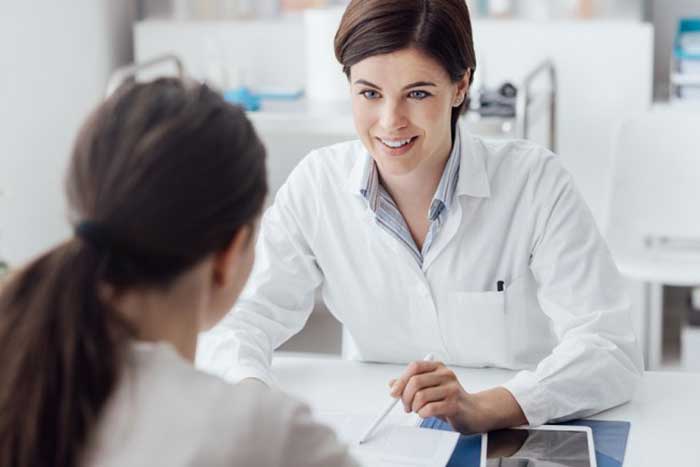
{"x": 563, "y": 317}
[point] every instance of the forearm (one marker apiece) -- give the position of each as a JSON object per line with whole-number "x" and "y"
{"x": 235, "y": 350}
{"x": 583, "y": 376}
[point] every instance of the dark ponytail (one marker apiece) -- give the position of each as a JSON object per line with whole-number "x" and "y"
{"x": 162, "y": 175}
{"x": 60, "y": 351}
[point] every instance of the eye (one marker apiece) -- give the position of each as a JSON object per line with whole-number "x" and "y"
{"x": 419, "y": 94}
{"x": 369, "y": 94}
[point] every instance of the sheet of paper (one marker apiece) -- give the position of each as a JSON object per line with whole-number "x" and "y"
{"x": 397, "y": 442}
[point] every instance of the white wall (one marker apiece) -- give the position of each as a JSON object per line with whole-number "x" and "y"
{"x": 604, "y": 69}
{"x": 55, "y": 58}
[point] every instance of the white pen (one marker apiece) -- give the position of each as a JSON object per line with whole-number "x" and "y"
{"x": 385, "y": 412}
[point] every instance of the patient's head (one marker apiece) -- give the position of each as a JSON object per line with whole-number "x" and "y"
{"x": 165, "y": 188}
{"x": 163, "y": 176}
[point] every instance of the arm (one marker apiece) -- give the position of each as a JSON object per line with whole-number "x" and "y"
{"x": 597, "y": 362}
{"x": 279, "y": 295}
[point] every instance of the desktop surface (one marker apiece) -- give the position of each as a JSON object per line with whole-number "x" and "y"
{"x": 664, "y": 412}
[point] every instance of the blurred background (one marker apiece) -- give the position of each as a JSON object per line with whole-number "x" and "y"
{"x": 612, "y": 86}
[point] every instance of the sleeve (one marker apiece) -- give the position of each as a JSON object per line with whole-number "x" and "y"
{"x": 280, "y": 292}
{"x": 597, "y": 361}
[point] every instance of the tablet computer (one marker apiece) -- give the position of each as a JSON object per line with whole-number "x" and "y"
{"x": 542, "y": 446}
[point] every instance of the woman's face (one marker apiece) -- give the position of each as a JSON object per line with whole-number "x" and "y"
{"x": 402, "y": 104}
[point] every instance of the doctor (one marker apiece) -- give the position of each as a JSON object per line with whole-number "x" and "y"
{"x": 424, "y": 238}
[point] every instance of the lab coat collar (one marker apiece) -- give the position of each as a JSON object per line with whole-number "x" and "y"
{"x": 360, "y": 172}
{"x": 473, "y": 177}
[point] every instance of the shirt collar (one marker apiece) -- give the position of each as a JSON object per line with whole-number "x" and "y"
{"x": 369, "y": 185}
{"x": 448, "y": 182}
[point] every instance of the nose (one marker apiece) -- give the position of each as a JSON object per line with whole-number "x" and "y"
{"x": 393, "y": 116}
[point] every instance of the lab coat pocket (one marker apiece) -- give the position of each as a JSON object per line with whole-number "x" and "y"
{"x": 529, "y": 337}
{"x": 475, "y": 325}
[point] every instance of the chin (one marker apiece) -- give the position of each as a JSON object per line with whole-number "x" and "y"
{"x": 390, "y": 166}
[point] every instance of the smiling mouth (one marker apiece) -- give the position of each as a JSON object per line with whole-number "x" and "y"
{"x": 397, "y": 144}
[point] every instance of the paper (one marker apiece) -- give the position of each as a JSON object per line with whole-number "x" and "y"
{"x": 397, "y": 442}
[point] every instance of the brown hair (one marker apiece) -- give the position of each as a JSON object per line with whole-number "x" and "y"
{"x": 162, "y": 175}
{"x": 439, "y": 28}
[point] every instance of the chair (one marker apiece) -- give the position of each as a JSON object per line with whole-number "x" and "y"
{"x": 654, "y": 212}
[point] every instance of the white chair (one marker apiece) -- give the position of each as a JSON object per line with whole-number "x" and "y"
{"x": 654, "y": 216}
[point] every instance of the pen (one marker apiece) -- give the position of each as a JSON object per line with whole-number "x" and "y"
{"x": 385, "y": 412}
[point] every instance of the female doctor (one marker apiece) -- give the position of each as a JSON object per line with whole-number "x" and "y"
{"x": 424, "y": 238}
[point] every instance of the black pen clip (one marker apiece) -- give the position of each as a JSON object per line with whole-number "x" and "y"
{"x": 499, "y": 286}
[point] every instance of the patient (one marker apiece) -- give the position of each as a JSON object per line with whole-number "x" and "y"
{"x": 98, "y": 335}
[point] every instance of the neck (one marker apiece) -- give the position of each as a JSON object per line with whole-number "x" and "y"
{"x": 414, "y": 189}
{"x": 166, "y": 315}
{"x": 417, "y": 188}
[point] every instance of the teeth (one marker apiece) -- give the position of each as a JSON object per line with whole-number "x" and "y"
{"x": 396, "y": 144}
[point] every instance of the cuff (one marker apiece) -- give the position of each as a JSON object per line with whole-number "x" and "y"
{"x": 531, "y": 397}
{"x": 237, "y": 373}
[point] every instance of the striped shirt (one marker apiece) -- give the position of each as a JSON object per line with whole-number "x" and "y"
{"x": 387, "y": 214}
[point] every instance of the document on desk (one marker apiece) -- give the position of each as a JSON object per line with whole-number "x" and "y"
{"x": 397, "y": 442}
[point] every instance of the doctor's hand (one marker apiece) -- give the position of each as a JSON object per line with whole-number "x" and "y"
{"x": 430, "y": 389}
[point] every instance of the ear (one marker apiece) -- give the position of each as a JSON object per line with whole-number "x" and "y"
{"x": 462, "y": 89}
{"x": 226, "y": 260}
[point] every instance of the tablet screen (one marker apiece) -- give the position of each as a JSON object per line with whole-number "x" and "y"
{"x": 537, "y": 448}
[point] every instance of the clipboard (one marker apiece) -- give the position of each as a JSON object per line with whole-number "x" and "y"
{"x": 609, "y": 438}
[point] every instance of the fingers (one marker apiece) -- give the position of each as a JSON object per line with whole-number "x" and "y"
{"x": 418, "y": 384}
{"x": 427, "y": 395}
{"x": 442, "y": 409}
{"x": 414, "y": 368}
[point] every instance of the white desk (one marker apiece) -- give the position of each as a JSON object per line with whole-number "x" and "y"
{"x": 663, "y": 413}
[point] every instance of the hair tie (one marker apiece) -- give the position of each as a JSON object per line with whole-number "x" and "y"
{"x": 94, "y": 234}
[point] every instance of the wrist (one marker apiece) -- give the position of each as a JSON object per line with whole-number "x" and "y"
{"x": 494, "y": 409}
{"x": 478, "y": 411}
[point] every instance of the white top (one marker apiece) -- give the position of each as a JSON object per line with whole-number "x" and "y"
{"x": 563, "y": 317}
{"x": 165, "y": 412}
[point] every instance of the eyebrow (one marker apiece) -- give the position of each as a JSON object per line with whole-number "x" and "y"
{"x": 412, "y": 85}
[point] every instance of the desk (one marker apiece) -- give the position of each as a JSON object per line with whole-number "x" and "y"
{"x": 663, "y": 412}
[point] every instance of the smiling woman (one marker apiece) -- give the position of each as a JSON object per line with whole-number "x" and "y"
{"x": 424, "y": 238}
{"x": 409, "y": 64}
